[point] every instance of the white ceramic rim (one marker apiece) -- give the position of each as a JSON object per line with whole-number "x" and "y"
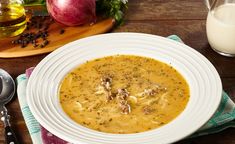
{"x": 202, "y": 77}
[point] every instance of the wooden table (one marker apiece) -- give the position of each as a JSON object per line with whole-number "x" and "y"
{"x": 185, "y": 18}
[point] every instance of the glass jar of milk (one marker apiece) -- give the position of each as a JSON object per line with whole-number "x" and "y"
{"x": 220, "y": 26}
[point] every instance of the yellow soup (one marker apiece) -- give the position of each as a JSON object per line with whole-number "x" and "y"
{"x": 123, "y": 94}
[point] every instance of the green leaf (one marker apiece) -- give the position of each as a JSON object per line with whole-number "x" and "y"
{"x": 112, "y": 8}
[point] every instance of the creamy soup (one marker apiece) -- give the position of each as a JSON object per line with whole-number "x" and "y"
{"x": 123, "y": 94}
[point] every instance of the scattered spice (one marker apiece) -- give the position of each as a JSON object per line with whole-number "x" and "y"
{"x": 36, "y": 32}
{"x": 62, "y": 31}
{"x": 152, "y": 91}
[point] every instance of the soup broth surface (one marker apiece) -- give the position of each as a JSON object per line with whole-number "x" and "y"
{"x": 123, "y": 94}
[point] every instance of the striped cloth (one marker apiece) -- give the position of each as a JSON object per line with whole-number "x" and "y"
{"x": 222, "y": 119}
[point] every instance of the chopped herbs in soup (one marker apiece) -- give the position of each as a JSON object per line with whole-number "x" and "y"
{"x": 123, "y": 94}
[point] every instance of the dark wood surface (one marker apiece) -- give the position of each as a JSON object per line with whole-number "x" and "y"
{"x": 185, "y": 18}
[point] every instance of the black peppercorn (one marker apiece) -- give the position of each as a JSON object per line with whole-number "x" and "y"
{"x": 62, "y": 31}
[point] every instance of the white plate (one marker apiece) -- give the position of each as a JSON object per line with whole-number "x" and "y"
{"x": 204, "y": 81}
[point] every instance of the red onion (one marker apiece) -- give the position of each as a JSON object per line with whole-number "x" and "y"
{"x": 72, "y": 12}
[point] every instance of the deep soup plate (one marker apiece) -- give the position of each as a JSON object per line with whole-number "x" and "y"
{"x": 203, "y": 79}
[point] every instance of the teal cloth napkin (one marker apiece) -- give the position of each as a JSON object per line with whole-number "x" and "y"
{"x": 31, "y": 123}
{"x": 222, "y": 119}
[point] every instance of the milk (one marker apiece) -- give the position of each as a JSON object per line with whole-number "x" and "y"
{"x": 220, "y": 27}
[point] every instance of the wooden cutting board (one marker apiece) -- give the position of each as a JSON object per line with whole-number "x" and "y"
{"x": 9, "y": 50}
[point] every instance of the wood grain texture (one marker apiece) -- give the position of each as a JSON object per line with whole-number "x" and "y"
{"x": 185, "y": 18}
{"x": 166, "y": 9}
{"x": 9, "y": 50}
